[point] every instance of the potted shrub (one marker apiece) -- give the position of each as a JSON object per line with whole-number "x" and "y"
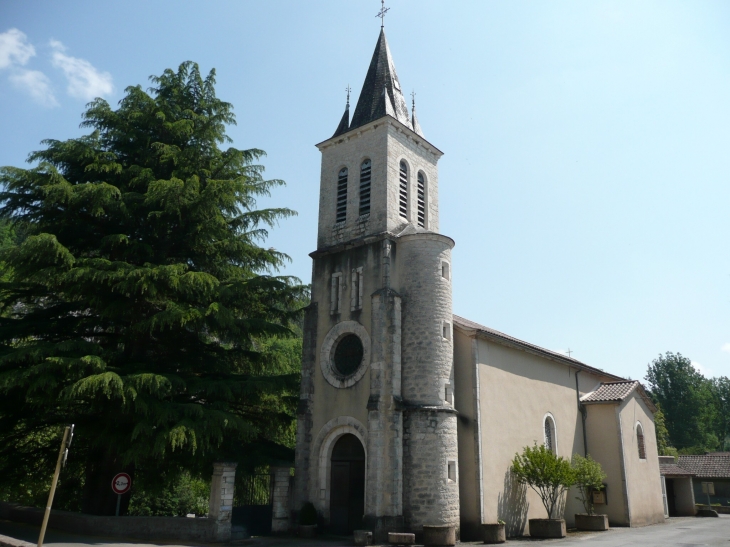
{"x": 494, "y": 533}
{"x": 550, "y": 476}
{"x": 589, "y": 476}
{"x": 308, "y": 521}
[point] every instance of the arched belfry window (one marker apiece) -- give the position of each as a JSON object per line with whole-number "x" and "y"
{"x": 640, "y": 441}
{"x": 403, "y": 192}
{"x": 421, "y": 199}
{"x": 551, "y": 440}
{"x": 341, "y": 195}
{"x": 365, "y": 174}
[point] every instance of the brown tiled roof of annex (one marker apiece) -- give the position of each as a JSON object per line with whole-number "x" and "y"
{"x": 673, "y": 470}
{"x": 709, "y": 466}
{"x": 615, "y": 392}
{"x": 508, "y": 340}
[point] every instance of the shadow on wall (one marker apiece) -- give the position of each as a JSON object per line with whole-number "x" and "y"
{"x": 512, "y": 505}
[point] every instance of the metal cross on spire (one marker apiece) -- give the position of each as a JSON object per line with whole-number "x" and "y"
{"x": 413, "y": 99}
{"x": 348, "y": 95}
{"x": 383, "y": 11}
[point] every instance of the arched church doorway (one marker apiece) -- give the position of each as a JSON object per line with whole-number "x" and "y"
{"x": 347, "y": 485}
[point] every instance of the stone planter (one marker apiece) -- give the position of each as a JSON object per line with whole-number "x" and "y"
{"x": 547, "y": 528}
{"x": 307, "y": 531}
{"x": 594, "y": 523}
{"x": 438, "y": 536}
{"x": 494, "y": 533}
{"x": 363, "y": 537}
{"x": 400, "y": 538}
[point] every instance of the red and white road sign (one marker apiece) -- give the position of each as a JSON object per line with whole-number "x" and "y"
{"x": 121, "y": 483}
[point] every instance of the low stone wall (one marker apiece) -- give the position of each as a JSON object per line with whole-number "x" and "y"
{"x": 147, "y": 528}
{"x": 722, "y": 509}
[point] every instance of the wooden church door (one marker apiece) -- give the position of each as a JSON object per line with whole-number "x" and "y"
{"x": 347, "y": 485}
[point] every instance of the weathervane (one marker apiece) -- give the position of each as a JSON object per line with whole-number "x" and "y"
{"x": 413, "y": 99}
{"x": 348, "y": 95}
{"x": 383, "y": 11}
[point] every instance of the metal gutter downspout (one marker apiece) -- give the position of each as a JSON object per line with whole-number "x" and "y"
{"x": 582, "y": 410}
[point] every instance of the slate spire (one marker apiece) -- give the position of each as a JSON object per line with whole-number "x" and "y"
{"x": 414, "y": 120}
{"x": 344, "y": 126}
{"x": 381, "y": 84}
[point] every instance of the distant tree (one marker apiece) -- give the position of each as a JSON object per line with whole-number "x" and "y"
{"x": 139, "y": 304}
{"x": 547, "y": 474}
{"x": 589, "y": 476}
{"x": 687, "y": 401}
{"x": 721, "y": 388}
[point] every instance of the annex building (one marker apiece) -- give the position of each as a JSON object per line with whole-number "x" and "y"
{"x": 410, "y": 415}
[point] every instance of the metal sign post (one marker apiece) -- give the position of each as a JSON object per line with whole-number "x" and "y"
{"x": 68, "y": 434}
{"x": 121, "y": 483}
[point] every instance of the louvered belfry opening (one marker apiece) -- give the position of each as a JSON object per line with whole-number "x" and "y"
{"x": 341, "y": 195}
{"x": 421, "y": 200}
{"x": 365, "y": 169}
{"x": 403, "y": 206}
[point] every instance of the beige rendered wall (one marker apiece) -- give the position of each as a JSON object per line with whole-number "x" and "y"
{"x": 642, "y": 475}
{"x": 604, "y": 446}
{"x": 465, "y": 403}
{"x": 684, "y": 497}
{"x": 517, "y": 390}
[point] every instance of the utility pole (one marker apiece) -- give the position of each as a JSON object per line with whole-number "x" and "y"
{"x": 62, "y": 455}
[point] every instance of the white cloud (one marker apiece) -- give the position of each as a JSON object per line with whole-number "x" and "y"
{"x": 726, "y": 347}
{"x": 36, "y": 84}
{"x": 706, "y": 372}
{"x": 14, "y": 48}
{"x": 84, "y": 81}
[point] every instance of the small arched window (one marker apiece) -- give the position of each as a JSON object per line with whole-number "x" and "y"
{"x": 365, "y": 174}
{"x": 551, "y": 441}
{"x": 421, "y": 200}
{"x": 341, "y": 195}
{"x": 640, "y": 441}
{"x": 403, "y": 192}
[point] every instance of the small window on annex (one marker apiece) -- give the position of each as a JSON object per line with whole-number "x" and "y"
{"x": 403, "y": 190}
{"x": 640, "y": 441}
{"x": 550, "y": 436}
{"x": 341, "y": 195}
{"x": 365, "y": 176}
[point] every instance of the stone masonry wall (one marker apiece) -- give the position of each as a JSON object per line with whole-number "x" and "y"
{"x": 430, "y": 443}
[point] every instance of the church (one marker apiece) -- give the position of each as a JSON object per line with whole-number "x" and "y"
{"x": 410, "y": 415}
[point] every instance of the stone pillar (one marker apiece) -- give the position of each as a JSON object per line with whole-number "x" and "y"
{"x": 280, "y": 513}
{"x": 221, "y": 499}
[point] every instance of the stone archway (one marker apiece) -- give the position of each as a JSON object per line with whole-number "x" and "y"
{"x": 347, "y": 485}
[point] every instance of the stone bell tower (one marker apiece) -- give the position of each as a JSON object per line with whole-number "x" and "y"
{"x": 376, "y": 432}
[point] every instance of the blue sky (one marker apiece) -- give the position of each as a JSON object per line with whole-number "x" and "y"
{"x": 586, "y": 167}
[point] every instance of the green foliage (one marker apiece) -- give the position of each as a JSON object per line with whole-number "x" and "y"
{"x": 177, "y": 496}
{"x": 589, "y": 476}
{"x": 308, "y": 514}
{"x": 546, "y": 473}
{"x": 137, "y": 301}
{"x": 688, "y": 403}
{"x": 662, "y": 434}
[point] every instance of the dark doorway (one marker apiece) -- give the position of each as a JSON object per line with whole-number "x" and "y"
{"x": 347, "y": 485}
{"x": 671, "y": 504}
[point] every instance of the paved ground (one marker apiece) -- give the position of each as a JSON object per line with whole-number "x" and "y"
{"x": 679, "y": 532}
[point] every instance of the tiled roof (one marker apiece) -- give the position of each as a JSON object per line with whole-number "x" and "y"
{"x": 381, "y": 92}
{"x": 609, "y": 392}
{"x": 709, "y": 466}
{"x": 673, "y": 470}
{"x": 532, "y": 348}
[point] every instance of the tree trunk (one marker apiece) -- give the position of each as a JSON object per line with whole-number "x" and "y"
{"x": 98, "y": 497}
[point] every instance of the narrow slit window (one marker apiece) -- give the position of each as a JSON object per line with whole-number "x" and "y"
{"x": 341, "y": 195}
{"x": 445, "y": 270}
{"x": 448, "y": 394}
{"x": 550, "y": 440}
{"x": 447, "y": 330}
{"x": 365, "y": 174}
{"x": 640, "y": 441}
{"x": 356, "y": 290}
{"x": 336, "y": 293}
{"x": 451, "y": 471}
{"x": 421, "y": 200}
{"x": 403, "y": 192}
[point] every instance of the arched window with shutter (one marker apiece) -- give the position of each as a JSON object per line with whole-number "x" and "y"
{"x": 365, "y": 176}
{"x": 640, "y": 441}
{"x": 403, "y": 190}
{"x": 421, "y": 199}
{"x": 341, "y": 214}
{"x": 551, "y": 438}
